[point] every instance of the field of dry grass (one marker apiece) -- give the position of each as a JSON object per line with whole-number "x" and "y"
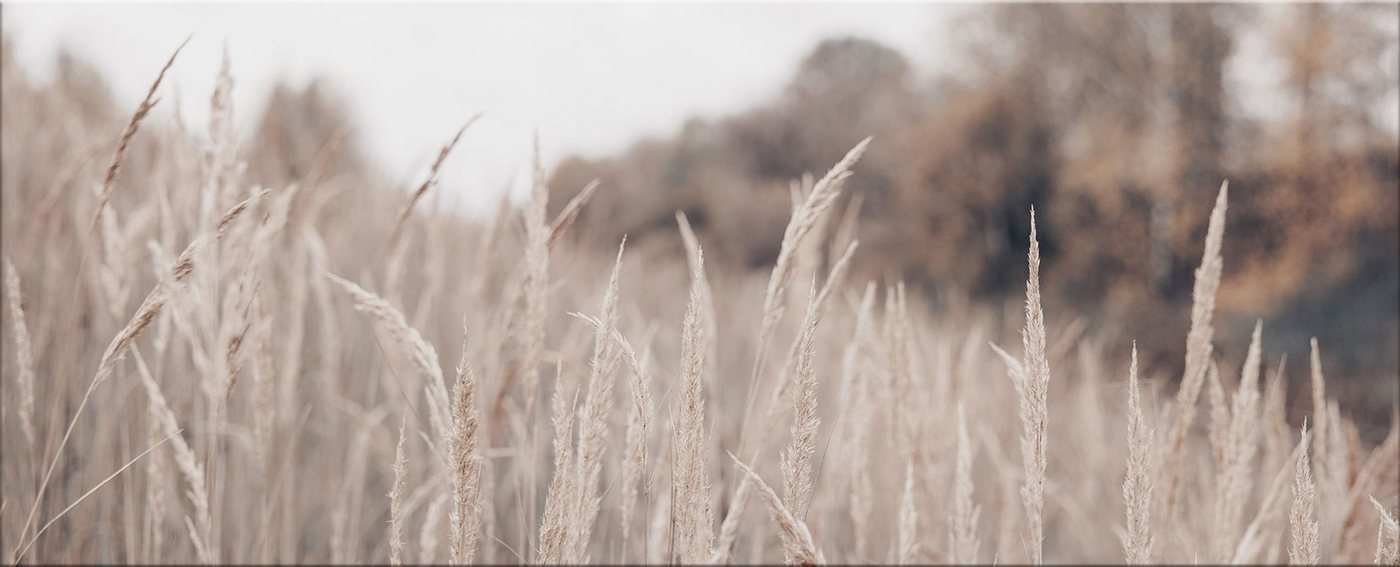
{"x": 201, "y": 369}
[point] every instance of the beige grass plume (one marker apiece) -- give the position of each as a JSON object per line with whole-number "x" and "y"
{"x": 24, "y": 353}
{"x": 1303, "y": 544}
{"x": 554, "y": 525}
{"x": 200, "y": 528}
{"x": 634, "y": 462}
{"x": 418, "y": 350}
{"x": 536, "y": 282}
{"x": 1198, "y": 343}
{"x": 1253, "y": 539}
{"x": 465, "y": 463}
{"x": 798, "y": 545}
{"x": 1137, "y": 485}
{"x": 691, "y": 485}
{"x": 1035, "y": 417}
{"x": 396, "y": 496}
{"x": 1236, "y": 478}
{"x": 804, "y": 218}
{"x": 796, "y": 461}
{"x": 595, "y": 418}
{"x": 105, "y": 194}
{"x": 427, "y": 184}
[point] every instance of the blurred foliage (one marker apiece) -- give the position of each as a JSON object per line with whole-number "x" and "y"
{"x": 1118, "y": 124}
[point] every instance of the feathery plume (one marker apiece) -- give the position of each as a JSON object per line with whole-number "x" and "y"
{"x": 105, "y": 194}
{"x": 427, "y": 184}
{"x": 536, "y": 282}
{"x": 797, "y": 460}
{"x": 804, "y": 219}
{"x": 1303, "y": 541}
{"x": 1198, "y": 342}
{"x": 419, "y": 351}
{"x": 396, "y": 499}
{"x": 1273, "y": 497}
{"x": 691, "y": 484}
{"x": 24, "y": 353}
{"x": 1034, "y": 389}
{"x": 201, "y": 526}
{"x": 634, "y": 462}
{"x": 1236, "y": 470}
{"x": 465, "y": 461}
{"x": 1137, "y": 485}
{"x": 798, "y": 545}
{"x": 554, "y": 525}
{"x": 593, "y": 421}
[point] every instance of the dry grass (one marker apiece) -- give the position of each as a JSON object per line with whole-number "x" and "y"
{"x": 892, "y": 431}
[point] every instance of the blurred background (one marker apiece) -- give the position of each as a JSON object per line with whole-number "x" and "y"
{"x": 1118, "y": 123}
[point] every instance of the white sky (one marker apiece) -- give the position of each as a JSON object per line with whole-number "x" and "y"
{"x": 592, "y": 78}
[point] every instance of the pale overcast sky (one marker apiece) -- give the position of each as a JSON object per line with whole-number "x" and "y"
{"x": 592, "y": 77}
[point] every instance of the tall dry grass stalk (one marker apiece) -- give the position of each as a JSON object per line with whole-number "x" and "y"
{"x": 690, "y": 484}
{"x": 554, "y": 524}
{"x": 1235, "y": 473}
{"x": 200, "y": 527}
{"x": 465, "y": 464}
{"x": 594, "y": 420}
{"x": 1303, "y": 544}
{"x": 419, "y": 351}
{"x": 428, "y": 183}
{"x": 1034, "y": 388}
{"x": 634, "y": 461}
{"x": 104, "y": 194}
{"x": 1137, "y": 484}
{"x": 1270, "y": 509}
{"x": 805, "y": 217}
{"x": 396, "y": 497}
{"x": 1198, "y": 345}
{"x": 24, "y": 353}
{"x": 536, "y": 284}
{"x": 798, "y": 545}
{"x": 797, "y": 459}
